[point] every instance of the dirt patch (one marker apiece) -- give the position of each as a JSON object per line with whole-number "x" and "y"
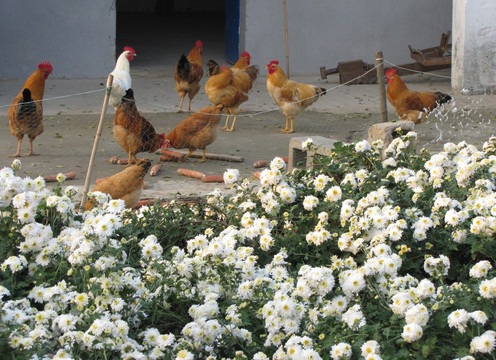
{"x": 67, "y": 141}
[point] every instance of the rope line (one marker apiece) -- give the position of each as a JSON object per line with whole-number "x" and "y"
{"x": 61, "y": 97}
{"x": 416, "y": 71}
{"x": 251, "y": 114}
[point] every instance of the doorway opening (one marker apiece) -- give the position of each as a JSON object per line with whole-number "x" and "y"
{"x": 161, "y": 31}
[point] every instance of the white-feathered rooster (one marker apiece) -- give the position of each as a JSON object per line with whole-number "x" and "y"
{"x": 122, "y": 78}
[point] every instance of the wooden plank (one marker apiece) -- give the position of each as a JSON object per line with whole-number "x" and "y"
{"x": 212, "y": 156}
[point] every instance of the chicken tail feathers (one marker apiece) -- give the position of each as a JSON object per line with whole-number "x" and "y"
{"x": 213, "y": 68}
{"x": 26, "y": 106}
{"x": 442, "y": 98}
{"x": 183, "y": 67}
{"x": 321, "y": 91}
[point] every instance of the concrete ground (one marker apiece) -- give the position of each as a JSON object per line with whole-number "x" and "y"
{"x": 72, "y": 111}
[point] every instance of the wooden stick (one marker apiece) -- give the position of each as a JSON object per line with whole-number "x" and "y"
{"x": 286, "y": 36}
{"x": 52, "y": 178}
{"x": 212, "y": 156}
{"x": 97, "y": 138}
{"x": 382, "y": 87}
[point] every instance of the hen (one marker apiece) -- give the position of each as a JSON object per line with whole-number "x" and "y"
{"x": 122, "y": 78}
{"x": 409, "y": 104}
{"x": 132, "y": 131}
{"x": 26, "y": 112}
{"x": 291, "y": 96}
{"x": 125, "y": 185}
{"x": 197, "y": 131}
{"x": 188, "y": 73}
{"x": 230, "y": 87}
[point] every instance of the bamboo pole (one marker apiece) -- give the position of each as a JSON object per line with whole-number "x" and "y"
{"x": 382, "y": 86}
{"x": 286, "y": 36}
{"x": 97, "y": 139}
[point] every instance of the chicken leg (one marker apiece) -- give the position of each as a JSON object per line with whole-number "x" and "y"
{"x": 181, "y": 104}
{"x": 225, "y": 127}
{"x": 31, "y": 152}
{"x": 18, "y": 152}
{"x": 288, "y": 130}
{"x": 203, "y": 159}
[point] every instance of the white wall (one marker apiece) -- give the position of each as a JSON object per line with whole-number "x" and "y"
{"x": 474, "y": 52}
{"x": 324, "y": 32}
{"x": 77, "y": 37}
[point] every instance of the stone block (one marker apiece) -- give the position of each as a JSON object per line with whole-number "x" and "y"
{"x": 386, "y": 131}
{"x": 324, "y": 146}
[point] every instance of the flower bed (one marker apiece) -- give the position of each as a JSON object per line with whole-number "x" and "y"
{"x": 363, "y": 257}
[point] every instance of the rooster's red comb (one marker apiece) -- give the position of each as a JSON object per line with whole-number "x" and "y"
{"x": 391, "y": 71}
{"x": 246, "y": 54}
{"x": 45, "y": 66}
{"x": 276, "y": 62}
{"x": 198, "y": 43}
{"x": 129, "y": 48}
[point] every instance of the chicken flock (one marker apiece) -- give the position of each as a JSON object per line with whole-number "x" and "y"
{"x": 227, "y": 88}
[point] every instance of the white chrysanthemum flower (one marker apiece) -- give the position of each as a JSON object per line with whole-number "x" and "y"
{"x": 487, "y": 288}
{"x": 278, "y": 163}
{"x": 478, "y": 316}
{"x": 458, "y": 319}
{"x": 362, "y": 146}
{"x": 310, "y": 202}
{"x": 66, "y": 322}
{"x": 62, "y": 354}
{"x": 305, "y": 145}
{"x": 320, "y": 182}
{"x": 389, "y": 162}
{"x": 402, "y": 301}
{"x": 425, "y": 289}
{"x": 61, "y": 177}
{"x": 231, "y": 176}
{"x": 418, "y": 314}
{"x": 16, "y": 164}
{"x": 333, "y": 194}
{"x": 480, "y": 269}
{"x": 370, "y": 347}
{"x": 485, "y": 343}
{"x": 412, "y": 332}
{"x": 438, "y": 265}
{"x": 350, "y": 179}
{"x": 185, "y": 355}
{"x": 354, "y": 317}
{"x": 4, "y": 292}
{"x": 459, "y": 236}
{"x": 14, "y": 263}
{"x": 341, "y": 351}
{"x": 352, "y": 283}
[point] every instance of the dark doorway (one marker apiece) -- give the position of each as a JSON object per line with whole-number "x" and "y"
{"x": 161, "y": 30}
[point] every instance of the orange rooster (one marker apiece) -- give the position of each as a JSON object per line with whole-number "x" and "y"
{"x": 125, "y": 185}
{"x": 188, "y": 73}
{"x": 26, "y": 112}
{"x": 409, "y": 104}
{"x": 132, "y": 131}
{"x": 230, "y": 87}
{"x": 291, "y": 96}
{"x": 197, "y": 131}
{"x": 121, "y": 76}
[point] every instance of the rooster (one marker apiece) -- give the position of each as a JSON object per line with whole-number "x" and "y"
{"x": 132, "y": 131}
{"x": 412, "y": 105}
{"x": 125, "y": 185}
{"x": 197, "y": 131}
{"x": 26, "y": 112}
{"x": 122, "y": 78}
{"x": 230, "y": 87}
{"x": 188, "y": 73}
{"x": 291, "y": 96}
